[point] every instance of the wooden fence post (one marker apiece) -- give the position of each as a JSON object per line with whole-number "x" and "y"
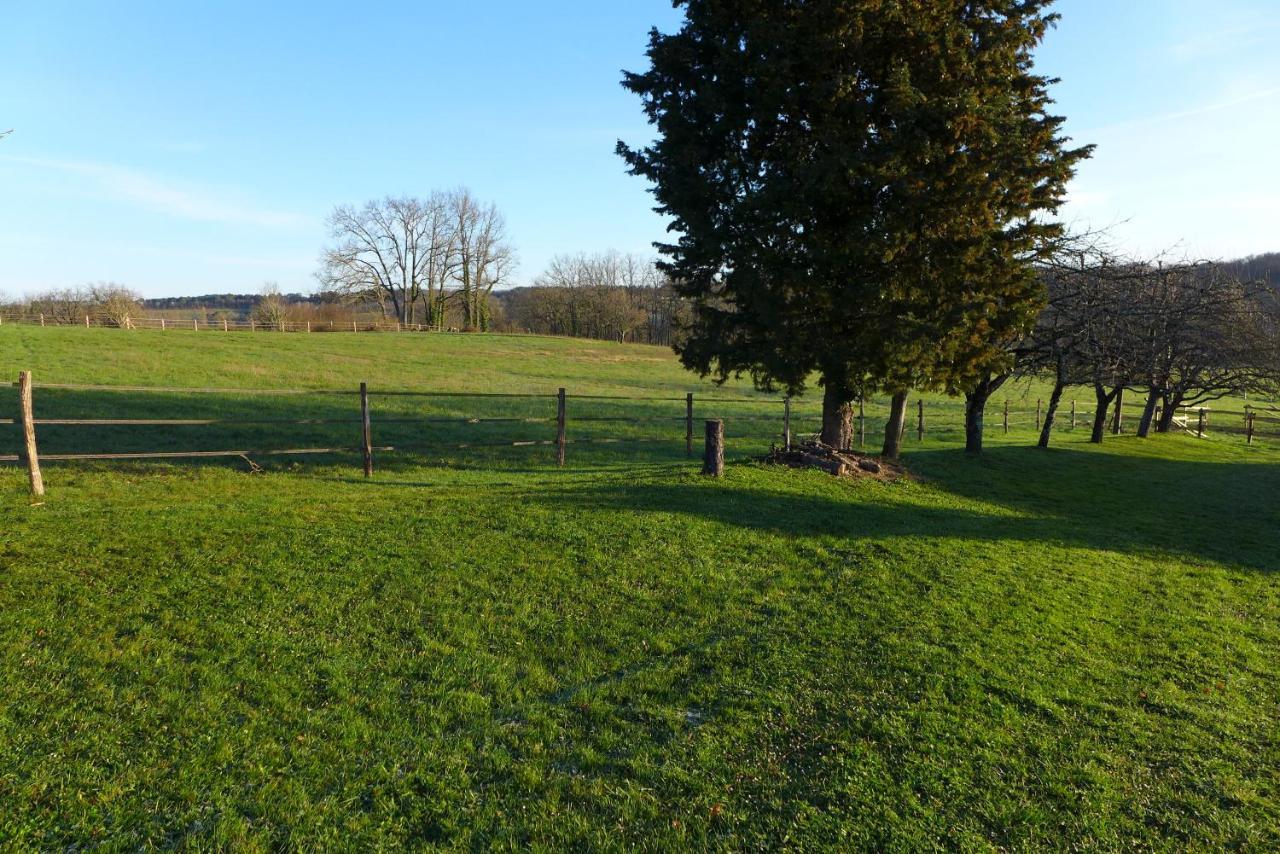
{"x": 786, "y": 422}
{"x": 162, "y": 324}
{"x": 560, "y": 428}
{"x": 253, "y": 327}
{"x": 713, "y": 459}
{"x": 29, "y": 451}
{"x": 1117, "y": 420}
{"x": 308, "y": 325}
{"x": 920, "y": 423}
{"x": 224, "y": 324}
{"x": 366, "y": 430}
{"x": 1006, "y": 416}
{"x": 1073, "y": 415}
{"x": 195, "y": 324}
{"x": 1039, "y": 406}
{"x": 1248, "y": 427}
{"x": 86, "y": 321}
{"x": 1200, "y": 429}
{"x": 42, "y": 321}
{"x": 862, "y": 422}
{"x": 688, "y": 424}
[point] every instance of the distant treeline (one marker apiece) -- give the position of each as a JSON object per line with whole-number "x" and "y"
{"x": 1256, "y": 268}
{"x": 609, "y": 296}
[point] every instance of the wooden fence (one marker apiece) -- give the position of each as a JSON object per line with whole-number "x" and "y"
{"x": 196, "y": 324}
{"x": 929, "y": 419}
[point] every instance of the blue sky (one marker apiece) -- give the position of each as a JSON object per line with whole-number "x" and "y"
{"x": 186, "y": 148}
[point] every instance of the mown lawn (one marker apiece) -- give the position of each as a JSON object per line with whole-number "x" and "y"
{"x": 1073, "y": 648}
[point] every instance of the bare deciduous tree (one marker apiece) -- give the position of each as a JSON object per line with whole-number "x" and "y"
{"x": 410, "y": 254}
{"x": 62, "y": 306}
{"x": 116, "y": 304}
{"x": 271, "y": 309}
{"x": 485, "y": 257}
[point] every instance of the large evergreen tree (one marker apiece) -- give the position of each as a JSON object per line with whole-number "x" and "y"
{"x": 854, "y": 188}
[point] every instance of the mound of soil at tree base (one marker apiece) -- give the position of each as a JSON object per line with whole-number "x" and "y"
{"x": 838, "y": 463}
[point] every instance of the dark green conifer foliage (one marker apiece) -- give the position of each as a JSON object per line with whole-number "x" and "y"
{"x": 856, "y": 188}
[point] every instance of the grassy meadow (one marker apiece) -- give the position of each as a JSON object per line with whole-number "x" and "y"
{"x": 1073, "y": 648}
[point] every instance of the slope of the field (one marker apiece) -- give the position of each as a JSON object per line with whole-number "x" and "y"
{"x": 1072, "y": 648}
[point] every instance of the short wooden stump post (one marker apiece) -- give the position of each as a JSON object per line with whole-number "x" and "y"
{"x": 713, "y": 460}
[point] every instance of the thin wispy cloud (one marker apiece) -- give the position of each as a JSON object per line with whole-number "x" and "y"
{"x": 1204, "y": 109}
{"x": 160, "y": 196}
{"x": 1203, "y": 45}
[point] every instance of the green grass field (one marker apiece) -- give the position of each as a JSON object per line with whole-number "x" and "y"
{"x": 1077, "y": 648}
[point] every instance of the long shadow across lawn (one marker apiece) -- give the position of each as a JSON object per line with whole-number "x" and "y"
{"x": 1224, "y": 512}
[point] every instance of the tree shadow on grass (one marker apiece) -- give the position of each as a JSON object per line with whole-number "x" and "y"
{"x": 1199, "y": 510}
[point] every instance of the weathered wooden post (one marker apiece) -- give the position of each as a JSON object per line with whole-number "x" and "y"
{"x": 1117, "y": 420}
{"x": 29, "y": 452}
{"x": 713, "y": 459}
{"x": 1200, "y": 429}
{"x": 1006, "y": 416}
{"x": 366, "y": 430}
{"x": 253, "y": 327}
{"x": 560, "y": 428}
{"x": 41, "y": 321}
{"x": 353, "y": 326}
{"x": 308, "y": 325}
{"x": 688, "y": 424}
{"x": 786, "y": 422}
{"x": 1039, "y": 407}
{"x": 1248, "y": 427}
{"x": 862, "y": 422}
{"x": 86, "y": 321}
{"x": 1073, "y": 415}
{"x": 920, "y": 422}
{"x": 162, "y": 324}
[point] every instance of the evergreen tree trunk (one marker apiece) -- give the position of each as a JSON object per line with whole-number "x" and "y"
{"x": 1046, "y": 432}
{"x": 897, "y": 423}
{"x": 1149, "y": 412}
{"x": 837, "y": 418}
{"x": 1100, "y": 413}
{"x": 975, "y": 409}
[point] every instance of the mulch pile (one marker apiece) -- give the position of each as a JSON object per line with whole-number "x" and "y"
{"x": 838, "y": 463}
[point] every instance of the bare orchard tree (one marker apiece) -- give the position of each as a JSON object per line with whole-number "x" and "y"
{"x": 1212, "y": 337}
{"x": 485, "y": 257}
{"x": 395, "y": 251}
{"x": 115, "y": 304}
{"x": 271, "y": 309}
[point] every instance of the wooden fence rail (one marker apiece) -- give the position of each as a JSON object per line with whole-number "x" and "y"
{"x": 790, "y": 422}
{"x": 211, "y": 323}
